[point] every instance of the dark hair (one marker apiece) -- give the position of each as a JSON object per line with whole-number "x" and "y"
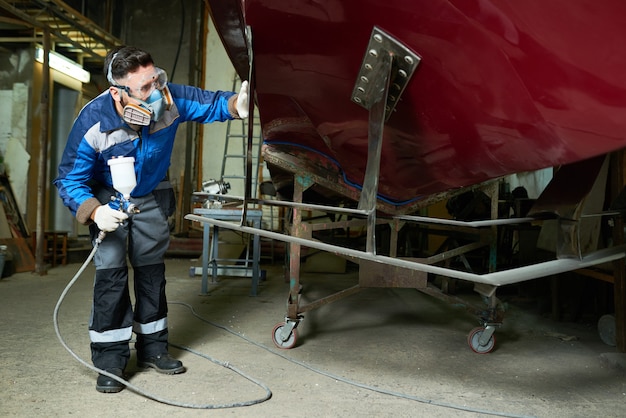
{"x": 124, "y": 59}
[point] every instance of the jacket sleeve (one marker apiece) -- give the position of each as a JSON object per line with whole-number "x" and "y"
{"x": 75, "y": 173}
{"x": 204, "y": 106}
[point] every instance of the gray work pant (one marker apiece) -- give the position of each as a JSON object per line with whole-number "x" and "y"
{"x": 143, "y": 239}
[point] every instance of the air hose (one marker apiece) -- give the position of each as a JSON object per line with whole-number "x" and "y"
{"x": 268, "y": 392}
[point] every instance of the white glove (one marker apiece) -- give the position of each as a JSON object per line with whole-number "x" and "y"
{"x": 108, "y": 219}
{"x": 242, "y": 101}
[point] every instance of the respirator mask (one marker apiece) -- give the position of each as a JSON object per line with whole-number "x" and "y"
{"x": 151, "y": 109}
{"x": 149, "y": 93}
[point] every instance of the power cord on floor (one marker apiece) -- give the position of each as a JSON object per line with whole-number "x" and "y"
{"x": 268, "y": 392}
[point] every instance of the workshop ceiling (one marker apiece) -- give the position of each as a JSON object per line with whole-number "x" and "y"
{"x": 72, "y": 34}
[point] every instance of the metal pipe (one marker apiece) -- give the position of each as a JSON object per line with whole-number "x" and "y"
{"x": 498, "y": 278}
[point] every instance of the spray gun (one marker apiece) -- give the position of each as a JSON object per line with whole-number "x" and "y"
{"x": 124, "y": 181}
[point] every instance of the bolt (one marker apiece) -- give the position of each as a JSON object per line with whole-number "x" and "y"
{"x": 374, "y": 53}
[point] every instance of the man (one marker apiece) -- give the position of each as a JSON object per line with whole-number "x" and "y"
{"x": 136, "y": 117}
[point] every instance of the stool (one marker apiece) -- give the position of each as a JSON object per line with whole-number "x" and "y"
{"x": 54, "y": 246}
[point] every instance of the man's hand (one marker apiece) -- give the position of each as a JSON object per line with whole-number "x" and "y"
{"x": 107, "y": 218}
{"x": 242, "y": 101}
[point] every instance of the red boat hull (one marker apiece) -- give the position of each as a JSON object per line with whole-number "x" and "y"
{"x": 502, "y": 87}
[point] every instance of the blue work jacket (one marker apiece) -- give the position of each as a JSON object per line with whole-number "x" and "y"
{"x": 99, "y": 133}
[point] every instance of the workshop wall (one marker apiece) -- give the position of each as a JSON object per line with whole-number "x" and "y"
{"x": 174, "y": 33}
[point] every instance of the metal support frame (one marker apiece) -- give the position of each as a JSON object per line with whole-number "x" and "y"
{"x": 497, "y": 278}
{"x": 385, "y": 59}
{"x": 372, "y": 91}
{"x": 392, "y": 271}
{"x": 300, "y": 185}
{"x": 367, "y": 201}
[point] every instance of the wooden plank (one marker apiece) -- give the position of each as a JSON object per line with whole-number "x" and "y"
{"x": 21, "y": 255}
{"x": 596, "y": 274}
{"x": 11, "y": 211}
{"x": 5, "y": 229}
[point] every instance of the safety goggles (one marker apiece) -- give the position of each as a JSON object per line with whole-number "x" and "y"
{"x": 141, "y": 86}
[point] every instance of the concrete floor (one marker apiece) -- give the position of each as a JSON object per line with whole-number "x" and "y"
{"x": 381, "y": 352}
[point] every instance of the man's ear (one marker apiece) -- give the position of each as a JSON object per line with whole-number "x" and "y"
{"x": 115, "y": 93}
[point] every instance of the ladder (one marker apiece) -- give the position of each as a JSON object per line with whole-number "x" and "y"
{"x": 235, "y": 152}
{"x": 234, "y": 165}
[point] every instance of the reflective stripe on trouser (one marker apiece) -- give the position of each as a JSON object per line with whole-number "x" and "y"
{"x": 144, "y": 238}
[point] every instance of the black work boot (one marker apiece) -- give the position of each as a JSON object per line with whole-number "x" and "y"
{"x": 162, "y": 363}
{"x": 105, "y": 384}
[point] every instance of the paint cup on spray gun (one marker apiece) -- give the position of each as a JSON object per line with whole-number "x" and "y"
{"x": 124, "y": 180}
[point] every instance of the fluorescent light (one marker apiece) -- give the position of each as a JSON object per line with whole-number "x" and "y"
{"x": 64, "y": 65}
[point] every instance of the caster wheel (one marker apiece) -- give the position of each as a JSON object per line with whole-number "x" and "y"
{"x": 278, "y": 341}
{"x": 473, "y": 339}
